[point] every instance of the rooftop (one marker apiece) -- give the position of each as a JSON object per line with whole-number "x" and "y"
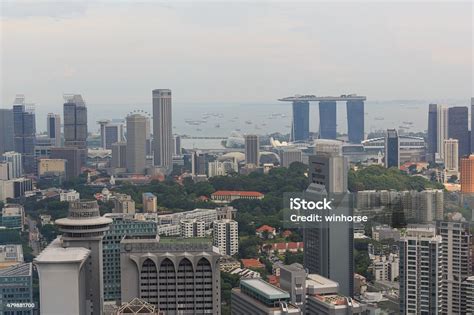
{"x": 237, "y": 193}
{"x": 314, "y": 98}
{"x": 54, "y": 253}
{"x": 264, "y": 289}
{"x": 17, "y": 270}
{"x": 252, "y": 263}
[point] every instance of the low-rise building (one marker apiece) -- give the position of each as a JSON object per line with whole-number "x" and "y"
{"x": 16, "y": 290}
{"x": 13, "y": 216}
{"x": 150, "y": 202}
{"x": 227, "y": 196}
{"x": 10, "y": 255}
{"x": 69, "y": 195}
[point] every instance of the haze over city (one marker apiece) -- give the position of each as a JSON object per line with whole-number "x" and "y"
{"x": 234, "y": 52}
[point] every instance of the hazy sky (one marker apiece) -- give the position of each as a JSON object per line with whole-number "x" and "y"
{"x": 234, "y": 51}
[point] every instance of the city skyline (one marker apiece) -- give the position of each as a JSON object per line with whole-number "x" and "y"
{"x": 279, "y": 39}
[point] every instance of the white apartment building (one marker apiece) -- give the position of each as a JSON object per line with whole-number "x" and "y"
{"x": 226, "y": 236}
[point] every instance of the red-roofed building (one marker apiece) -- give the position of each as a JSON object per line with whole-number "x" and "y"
{"x": 270, "y": 231}
{"x": 226, "y": 196}
{"x": 252, "y": 263}
{"x": 281, "y": 248}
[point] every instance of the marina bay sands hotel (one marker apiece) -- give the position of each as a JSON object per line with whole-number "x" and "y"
{"x": 327, "y": 116}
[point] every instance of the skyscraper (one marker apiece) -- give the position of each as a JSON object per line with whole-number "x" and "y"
{"x": 6, "y": 126}
{"x": 442, "y": 129}
{"x": 252, "y": 149}
{"x": 355, "y": 121}
{"x": 72, "y": 156}
{"x": 225, "y": 235}
{"x": 456, "y": 239}
{"x": 328, "y": 248}
{"x": 432, "y": 130}
{"x": 61, "y": 264}
{"x": 472, "y": 124}
{"x": 24, "y": 126}
{"x": 392, "y": 148}
{"x": 53, "y": 126}
{"x": 458, "y": 127}
{"x": 300, "y": 123}
{"x": 119, "y": 155}
{"x": 75, "y": 124}
{"x": 136, "y": 143}
{"x": 110, "y": 133}
{"x": 467, "y": 175}
{"x": 421, "y": 267}
{"x": 15, "y": 168}
{"x": 162, "y": 129}
{"x": 451, "y": 158}
{"x": 327, "y": 120}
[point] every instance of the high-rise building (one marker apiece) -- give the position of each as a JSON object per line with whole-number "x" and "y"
{"x": 467, "y": 175}
{"x": 16, "y": 289}
{"x": 6, "y": 125}
{"x": 355, "y": 121}
{"x": 149, "y": 202}
{"x": 421, "y": 267}
{"x": 110, "y": 133}
{"x": 13, "y": 159}
{"x": 458, "y": 127}
{"x": 252, "y": 150}
{"x": 123, "y": 204}
{"x": 289, "y": 156}
{"x": 177, "y": 145}
{"x": 392, "y": 148}
{"x": 72, "y": 155}
{"x": 226, "y": 236}
{"x": 72, "y": 265}
{"x": 468, "y": 294}
{"x": 432, "y": 130}
{"x": 180, "y": 276}
{"x": 198, "y": 163}
{"x": 136, "y": 144}
{"x": 162, "y": 129}
{"x": 75, "y": 124}
{"x": 327, "y": 120}
{"x": 451, "y": 158}
{"x": 472, "y": 124}
{"x": 119, "y": 155}
{"x": 328, "y": 248}
{"x": 442, "y": 129}
{"x": 456, "y": 239}
{"x": 192, "y": 228}
{"x": 300, "y": 123}
{"x": 53, "y": 126}
{"x": 122, "y": 225}
{"x": 24, "y": 127}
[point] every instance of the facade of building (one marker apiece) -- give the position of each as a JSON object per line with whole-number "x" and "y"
{"x": 52, "y": 167}
{"x": 421, "y": 267}
{"x": 10, "y": 255}
{"x": 69, "y": 195}
{"x": 123, "y": 204}
{"x": 190, "y": 228}
{"x": 289, "y": 156}
{"x": 458, "y": 128}
{"x": 16, "y": 288}
{"x": 122, "y": 225}
{"x": 13, "y": 216}
{"x": 355, "y": 121}
{"x": 75, "y": 125}
{"x": 178, "y": 276}
{"x": 327, "y": 120}
{"x": 6, "y": 137}
{"x": 119, "y": 155}
{"x": 451, "y": 158}
{"x": 252, "y": 150}
{"x": 225, "y": 235}
{"x": 110, "y": 133}
{"x": 392, "y": 149}
{"x": 442, "y": 129}
{"x": 150, "y": 202}
{"x": 432, "y": 145}
{"x": 72, "y": 155}
{"x": 456, "y": 239}
{"x": 136, "y": 141}
{"x": 24, "y": 128}
{"x": 300, "y": 122}
{"x": 227, "y": 196}
{"x": 467, "y": 175}
{"x": 14, "y": 159}
{"x": 328, "y": 175}
{"x": 53, "y": 128}
{"x": 162, "y": 129}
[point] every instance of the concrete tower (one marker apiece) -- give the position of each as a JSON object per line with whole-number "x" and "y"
{"x": 162, "y": 129}
{"x": 136, "y": 143}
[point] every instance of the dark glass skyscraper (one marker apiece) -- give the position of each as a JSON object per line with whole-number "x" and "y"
{"x": 300, "y": 124}
{"x": 472, "y": 124}
{"x": 75, "y": 124}
{"x": 6, "y": 126}
{"x": 327, "y": 120}
{"x": 24, "y": 128}
{"x": 458, "y": 127}
{"x": 432, "y": 129}
{"x": 392, "y": 149}
{"x": 355, "y": 121}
